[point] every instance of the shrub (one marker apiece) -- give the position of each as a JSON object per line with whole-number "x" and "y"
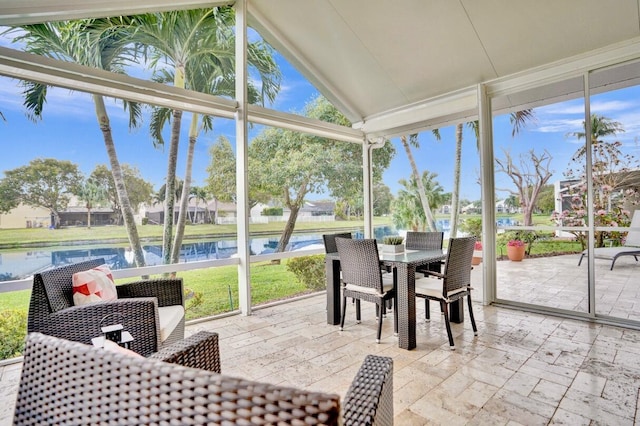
{"x": 145, "y": 220}
{"x": 473, "y": 227}
{"x": 309, "y": 270}
{"x": 272, "y": 211}
{"x": 13, "y": 329}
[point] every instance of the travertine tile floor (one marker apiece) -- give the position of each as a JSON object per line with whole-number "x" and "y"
{"x": 522, "y": 368}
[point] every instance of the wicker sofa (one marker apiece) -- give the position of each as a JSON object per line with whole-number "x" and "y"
{"x": 65, "y": 382}
{"x": 52, "y": 311}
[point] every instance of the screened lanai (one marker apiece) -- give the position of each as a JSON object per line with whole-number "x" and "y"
{"x": 396, "y": 69}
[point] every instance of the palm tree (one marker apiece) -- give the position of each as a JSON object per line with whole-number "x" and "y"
{"x": 518, "y": 120}
{"x": 199, "y": 46}
{"x": 601, "y": 127}
{"x": 92, "y": 194}
{"x": 413, "y": 141}
{"x": 407, "y": 209}
{"x": 90, "y": 43}
{"x": 199, "y": 194}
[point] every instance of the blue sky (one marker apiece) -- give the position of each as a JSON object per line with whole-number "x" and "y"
{"x": 69, "y": 131}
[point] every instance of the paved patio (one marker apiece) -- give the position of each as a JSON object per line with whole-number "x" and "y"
{"x": 522, "y": 368}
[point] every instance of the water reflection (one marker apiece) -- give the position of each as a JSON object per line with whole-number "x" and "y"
{"x": 16, "y": 264}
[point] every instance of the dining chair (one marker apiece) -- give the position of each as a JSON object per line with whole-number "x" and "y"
{"x": 330, "y": 241}
{"x": 363, "y": 279}
{"x": 425, "y": 241}
{"x": 451, "y": 285}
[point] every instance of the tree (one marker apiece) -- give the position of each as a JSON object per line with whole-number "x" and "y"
{"x": 518, "y": 120}
{"x": 198, "y": 45}
{"x": 91, "y": 43}
{"x": 46, "y": 183}
{"x": 413, "y": 140}
{"x": 613, "y": 183}
{"x": 382, "y": 199}
{"x": 199, "y": 194}
{"x": 407, "y": 211}
{"x": 511, "y": 203}
{"x": 290, "y": 165}
{"x": 92, "y": 194}
{"x": 546, "y": 200}
{"x": 139, "y": 190}
{"x": 529, "y": 177}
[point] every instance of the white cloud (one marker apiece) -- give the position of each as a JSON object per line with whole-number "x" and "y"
{"x": 558, "y": 126}
{"x": 610, "y": 106}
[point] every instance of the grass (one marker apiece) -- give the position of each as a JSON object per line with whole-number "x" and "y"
{"x": 218, "y": 286}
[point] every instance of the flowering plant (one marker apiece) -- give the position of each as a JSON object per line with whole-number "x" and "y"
{"x": 478, "y": 245}
{"x": 516, "y": 243}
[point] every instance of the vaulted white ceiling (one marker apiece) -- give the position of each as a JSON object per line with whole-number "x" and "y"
{"x": 377, "y": 59}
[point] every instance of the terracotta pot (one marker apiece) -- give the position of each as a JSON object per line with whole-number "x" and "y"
{"x": 516, "y": 253}
{"x": 477, "y": 257}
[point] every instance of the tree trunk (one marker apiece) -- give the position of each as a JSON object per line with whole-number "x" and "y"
{"x": 88, "y": 218}
{"x": 116, "y": 171}
{"x": 288, "y": 229}
{"x": 184, "y": 201}
{"x": 170, "y": 185}
{"x": 455, "y": 194}
{"x": 431, "y": 223}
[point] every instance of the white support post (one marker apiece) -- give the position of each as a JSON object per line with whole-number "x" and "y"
{"x": 367, "y": 190}
{"x": 485, "y": 133}
{"x": 242, "y": 161}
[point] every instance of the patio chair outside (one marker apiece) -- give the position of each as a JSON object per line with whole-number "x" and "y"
{"x": 141, "y": 306}
{"x": 454, "y": 284}
{"x": 631, "y": 246}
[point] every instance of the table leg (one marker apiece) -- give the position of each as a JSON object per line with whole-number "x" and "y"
{"x": 332, "y": 272}
{"x": 456, "y": 311}
{"x": 406, "y": 294}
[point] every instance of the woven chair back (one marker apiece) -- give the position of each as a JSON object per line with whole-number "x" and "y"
{"x": 330, "y": 241}
{"x": 457, "y": 272}
{"x": 424, "y": 240}
{"x": 360, "y": 262}
{"x": 66, "y": 382}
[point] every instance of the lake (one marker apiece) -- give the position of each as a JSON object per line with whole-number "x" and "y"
{"x": 17, "y": 264}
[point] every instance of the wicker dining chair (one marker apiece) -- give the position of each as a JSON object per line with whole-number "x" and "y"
{"x": 68, "y": 383}
{"x": 453, "y": 284}
{"x": 425, "y": 241}
{"x": 139, "y": 305}
{"x": 363, "y": 279}
{"x": 330, "y": 241}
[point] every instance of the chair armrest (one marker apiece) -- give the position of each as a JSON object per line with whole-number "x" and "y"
{"x": 168, "y": 291}
{"x": 369, "y": 400}
{"x": 433, "y": 273}
{"x": 82, "y": 323}
{"x": 198, "y": 351}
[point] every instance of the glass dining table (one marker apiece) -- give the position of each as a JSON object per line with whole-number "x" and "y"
{"x": 403, "y": 266}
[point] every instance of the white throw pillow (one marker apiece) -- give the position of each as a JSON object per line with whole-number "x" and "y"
{"x": 94, "y": 285}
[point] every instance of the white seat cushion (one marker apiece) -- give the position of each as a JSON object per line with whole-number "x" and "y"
{"x": 433, "y": 288}
{"x": 170, "y": 317}
{"x": 387, "y": 285}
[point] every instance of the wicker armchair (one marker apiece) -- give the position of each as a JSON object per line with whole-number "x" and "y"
{"x": 452, "y": 285}
{"x": 52, "y": 312}
{"x": 66, "y": 383}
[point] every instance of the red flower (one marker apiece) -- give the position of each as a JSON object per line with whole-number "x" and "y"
{"x": 478, "y": 245}
{"x": 515, "y": 243}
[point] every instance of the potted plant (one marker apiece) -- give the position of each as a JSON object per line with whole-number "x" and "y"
{"x": 392, "y": 244}
{"x": 477, "y": 253}
{"x": 516, "y": 249}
